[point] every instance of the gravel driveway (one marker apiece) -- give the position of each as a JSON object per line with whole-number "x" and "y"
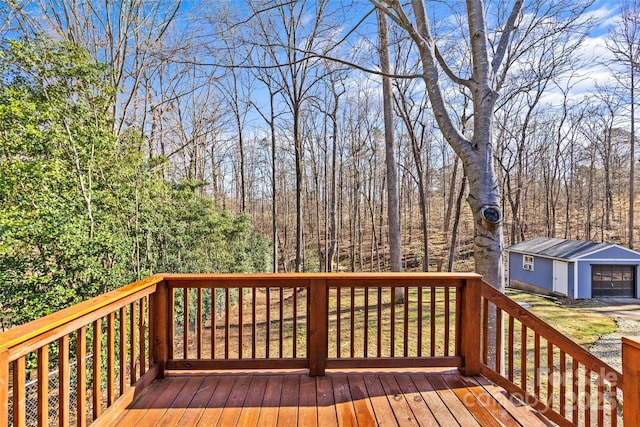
{"x": 626, "y": 313}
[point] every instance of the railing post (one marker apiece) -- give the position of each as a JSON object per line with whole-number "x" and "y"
{"x": 317, "y": 325}
{"x": 470, "y": 322}
{"x": 159, "y": 326}
{"x": 4, "y": 388}
{"x": 631, "y": 382}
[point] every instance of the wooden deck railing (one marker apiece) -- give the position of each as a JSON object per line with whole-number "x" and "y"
{"x": 312, "y": 321}
{"x": 316, "y": 321}
{"x": 551, "y": 373}
{"x": 99, "y": 352}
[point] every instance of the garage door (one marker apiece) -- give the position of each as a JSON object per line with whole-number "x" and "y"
{"x": 613, "y": 280}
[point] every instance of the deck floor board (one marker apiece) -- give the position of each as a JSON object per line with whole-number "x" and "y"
{"x": 200, "y": 400}
{"x": 418, "y": 405}
{"x": 345, "y": 398}
{"x": 379, "y": 401}
{"x": 288, "y": 413}
{"x": 269, "y": 411}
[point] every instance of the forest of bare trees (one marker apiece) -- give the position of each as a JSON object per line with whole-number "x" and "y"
{"x": 275, "y": 109}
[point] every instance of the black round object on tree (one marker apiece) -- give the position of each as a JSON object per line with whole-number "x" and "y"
{"x": 491, "y": 213}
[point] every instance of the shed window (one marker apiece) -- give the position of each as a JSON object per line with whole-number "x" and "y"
{"x": 527, "y": 262}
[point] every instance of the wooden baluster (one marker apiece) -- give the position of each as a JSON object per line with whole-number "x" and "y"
{"x": 172, "y": 322}
{"x": 81, "y": 387}
{"x": 19, "y": 396}
{"x": 420, "y": 323}
{"x": 459, "y": 329}
{"x": 587, "y": 397}
{"x": 268, "y": 323}
{"x": 510, "y": 349}
{"x": 214, "y": 331}
{"x": 227, "y": 306}
{"x": 392, "y": 320}
{"x": 447, "y": 320}
{"x": 295, "y": 323}
{"x": 498, "y": 343}
{"x": 352, "y": 315}
{"x": 379, "y": 326}
{"x": 563, "y": 383}
{"x": 185, "y": 323}
{"x": 133, "y": 344}
{"x": 142, "y": 333}
{"x": 97, "y": 364}
{"x": 64, "y": 379}
{"x": 253, "y": 323}
{"x": 199, "y": 324}
{"x": 536, "y": 365}
{"x": 613, "y": 401}
{"x": 432, "y": 320}
{"x": 43, "y": 386}
{"x": 365, "y": 346}
{"x": 600, "y": 400}
{"x": 405, "y": 327}
{"x": 4, "y": 388}
{"x": 549, "y": 374}
{"x": 281, "y": 320}
{"x": 111, "y": 357}
{"x": 523, "y": 357}
{"x": 338, "y": 323}
{"x": 240, "y": 322}
{"x": 485, "y": 331}
{"x": 123, "y": 349}
{"x": 575, "y": 380}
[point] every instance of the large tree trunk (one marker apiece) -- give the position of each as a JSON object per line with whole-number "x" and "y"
{"x": 476, "y": 152}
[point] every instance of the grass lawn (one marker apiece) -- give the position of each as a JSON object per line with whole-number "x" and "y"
{"x": 570, "y": 317}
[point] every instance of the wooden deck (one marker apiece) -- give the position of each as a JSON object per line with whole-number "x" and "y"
{"x": 168, "y": 350}
{"x": 364, "y": 398}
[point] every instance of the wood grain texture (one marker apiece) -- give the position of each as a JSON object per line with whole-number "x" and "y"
{"x": 384, "y": 398}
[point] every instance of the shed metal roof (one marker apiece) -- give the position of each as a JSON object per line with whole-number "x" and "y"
{"x": 558, "y": 248}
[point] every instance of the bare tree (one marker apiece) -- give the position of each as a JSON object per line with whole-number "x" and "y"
{"x": 477, "y": 152}
{"x": 270, "y": 118}
{"x": 131, "y": 36}
{"x": 393, "y": 201}
{"x": 295, "y": 71}
{"x": 413, "y": 110}
{"x": 624, "y": 44}
{"x": 236, "y": 89}
{"x": 492, "y": 53}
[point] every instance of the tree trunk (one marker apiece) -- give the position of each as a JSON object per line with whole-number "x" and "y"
{"x": 333, "y": 230}
{"x": 393, "y": 203}
{"x": 299, "y": 214}
{"x": 456, "y": 222}
{"x": 633, "y": 159}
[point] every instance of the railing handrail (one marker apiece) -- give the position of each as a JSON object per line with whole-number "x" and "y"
{"x": 21, "y": 334}
{"x": 194, "y": 278}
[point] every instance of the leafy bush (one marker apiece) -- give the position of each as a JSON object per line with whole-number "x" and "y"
{"x": 82, "y": 210}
